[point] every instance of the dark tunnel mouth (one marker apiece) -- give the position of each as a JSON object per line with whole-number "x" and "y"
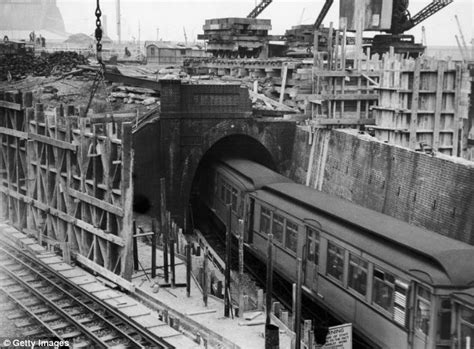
{"x": 234, "y": 146}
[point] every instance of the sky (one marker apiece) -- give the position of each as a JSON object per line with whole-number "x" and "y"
{"x": 168, "y": 20}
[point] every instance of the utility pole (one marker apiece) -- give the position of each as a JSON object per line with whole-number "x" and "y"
{"x": 119, "y": 33}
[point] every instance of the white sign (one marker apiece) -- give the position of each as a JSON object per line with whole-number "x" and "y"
{"x": 339, "y": 337}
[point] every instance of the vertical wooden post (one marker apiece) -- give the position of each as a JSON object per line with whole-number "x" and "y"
{"x": 298, "y": 303}
{"x": 188, "y": 269}
{"x": 227, "y": 297}
{"x": 153, "y": 248}
{"x": 205, "y": 277}
{"x": 283, "y": 82}
{"x": 359, "y": 24}
{"x": 165, "y": 246}
{"x": 241, "y": 266}
{"x": 127, "y": 200}
{"x": 268, "y": 303}
{"x": 164, "y": 226}
{"x": 172, "y": 266}
{"x": 135, "y": 246}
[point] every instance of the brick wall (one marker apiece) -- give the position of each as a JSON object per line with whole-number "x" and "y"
{"x": 432, "y": 192}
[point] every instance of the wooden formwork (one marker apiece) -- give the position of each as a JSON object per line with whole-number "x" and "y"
{"x": 343, "y": 86}
{"x": 68, "y": 180}
{"x": 422, "y": 104}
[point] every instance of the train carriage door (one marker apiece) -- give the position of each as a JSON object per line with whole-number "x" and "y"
{"x": 423, "y": 317}
{"x": 249, "y": 220}
{"x": 312, "y": 257}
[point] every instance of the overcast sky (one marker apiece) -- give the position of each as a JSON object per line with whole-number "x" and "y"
{"x": 172, "y": 16}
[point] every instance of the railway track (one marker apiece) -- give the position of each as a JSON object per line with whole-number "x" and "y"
{"x": 47, "y": 305}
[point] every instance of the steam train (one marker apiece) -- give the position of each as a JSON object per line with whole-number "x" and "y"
{"x": 399, "y": 285}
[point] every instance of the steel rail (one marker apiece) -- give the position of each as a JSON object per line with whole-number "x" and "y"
{"x": 108, "y": 308}
{"x": 31, "y": 314}
{"x": 73, "y": 322}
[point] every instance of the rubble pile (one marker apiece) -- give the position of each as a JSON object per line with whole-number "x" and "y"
{"x": 18, "y": 67}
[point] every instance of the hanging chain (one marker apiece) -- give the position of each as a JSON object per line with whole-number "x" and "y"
{"x": 100, "y": 73}
{"x": 98, "y": 34}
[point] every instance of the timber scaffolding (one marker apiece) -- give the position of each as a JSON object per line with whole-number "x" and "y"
{"x": 67, "y": 180}
{"x": 421, "y": 104}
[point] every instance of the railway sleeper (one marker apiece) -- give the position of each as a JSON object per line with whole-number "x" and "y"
{"x": 83, "y": 344}
{"x": 96, "y": 328}
{"x": 59, "y": 326}
{"x": 23, "y": 323}
{"x": 15, "y": 289}
{"x": 41, "y": 310}
{"x": 15, "y": 316}
{"x": 51, "y": 318}
{"x": 34, "y": 332}
{"x": 71, "y": 334}
{"x": 110, "y": 337}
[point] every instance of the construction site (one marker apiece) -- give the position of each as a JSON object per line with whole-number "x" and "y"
{"x": 312, "y": 188}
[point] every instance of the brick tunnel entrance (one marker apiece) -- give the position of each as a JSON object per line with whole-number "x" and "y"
{"x": 234, "y": 146}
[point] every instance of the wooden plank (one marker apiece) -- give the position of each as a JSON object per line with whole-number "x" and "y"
{"x": 14, "y": 133}
{"x": 328, "y": 122}
{"x": 270, "y": 101}
{"x": 127, "y": 201}
{"x": 438, "y": 104}
{"x": 283, "y": 83}
{"x": 96, "y": 202}
{"x": 10, "y": 105}
{"x": 105, "y": 273}
{"x": 133, "y": 81}
{"x": 52, "y": 141}
{"x": 457, "y": 151}
{"x": 339, "y": 97}
{"x": 414, "y": 105}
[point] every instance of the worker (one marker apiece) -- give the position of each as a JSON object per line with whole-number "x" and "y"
{"x": 43, "y": 41}
{"x": 127, "y": 52}
{"x": 5, "y": 38}
{"x": 32, "y": 36}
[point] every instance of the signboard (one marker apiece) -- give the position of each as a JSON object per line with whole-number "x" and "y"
{"x": 339, "y": 337}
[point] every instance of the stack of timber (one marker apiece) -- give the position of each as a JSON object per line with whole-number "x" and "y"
{"x": 67, "y": 180}
{"x": 423, "y": 105}
{"x": 236, "y": 37}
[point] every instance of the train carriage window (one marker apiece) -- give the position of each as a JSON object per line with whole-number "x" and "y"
{"x": 400, "y": 302}
{"x": 423, "y": 310}
{"x": 227, "y": 194}
{"x": 444, "y": 316}
{"x": 358, "y": 274}
{"x": 291, "y": 235}
{"x": 278, "y": 222}
{"x": 222, "y": 185}
{"x": 312, "y": 245}
{"x": 335, "y": 261}
{"x": 383, "y": 289}
{"x": 234, "y": 199}
{"x": 265, "y": 215}
{"x": 467, "y": 326}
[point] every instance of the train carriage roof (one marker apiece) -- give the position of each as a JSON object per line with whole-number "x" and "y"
{"x": 256, "y": 175}
{"x": 444, "y": 261}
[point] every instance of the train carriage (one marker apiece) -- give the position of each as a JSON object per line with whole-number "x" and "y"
{"x": 401, "y": 286}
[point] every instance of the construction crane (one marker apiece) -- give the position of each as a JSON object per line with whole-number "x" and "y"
{"x": 259, "y": 8}
{"x": 324, "y": 11}
{"x": 403, "y": 21}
